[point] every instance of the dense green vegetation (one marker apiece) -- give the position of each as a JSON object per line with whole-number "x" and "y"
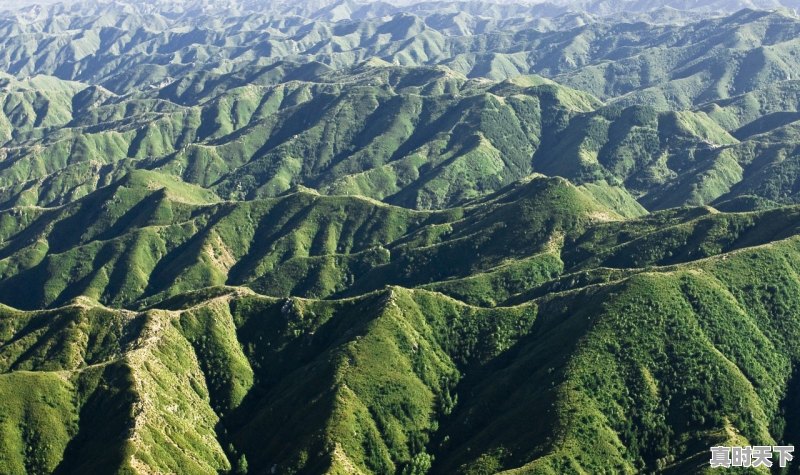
{"x": 391, "y": 377}
{"x": 404, "y": 108}
{"x": 692, "y": 354}
{"x": 432, "y": 238}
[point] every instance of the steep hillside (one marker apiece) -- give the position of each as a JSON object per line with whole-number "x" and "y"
{"x": 419, "y": 137}
{"x": 411, "y": 380}
{"x": 423, "y": 138}
{"x": 143, "y": 237}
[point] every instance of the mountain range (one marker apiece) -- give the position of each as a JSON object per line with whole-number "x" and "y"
{"x": 397, "y": 237}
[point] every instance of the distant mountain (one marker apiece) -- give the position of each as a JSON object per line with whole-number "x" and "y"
{"x": 126, "y": 47}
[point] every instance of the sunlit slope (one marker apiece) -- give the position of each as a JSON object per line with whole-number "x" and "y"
{"x": 418, "y": 137}
{"x": 409, "y": 377}
{"x": 422, "y": 138}
{"x": 150, "y": 234}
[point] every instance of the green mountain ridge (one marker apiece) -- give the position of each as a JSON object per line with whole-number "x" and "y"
{"x": 409, "y": 238}
{"x": 143, "y": 236}
{"x": 349, "y": 424}
{"x": 416, "y": 137}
